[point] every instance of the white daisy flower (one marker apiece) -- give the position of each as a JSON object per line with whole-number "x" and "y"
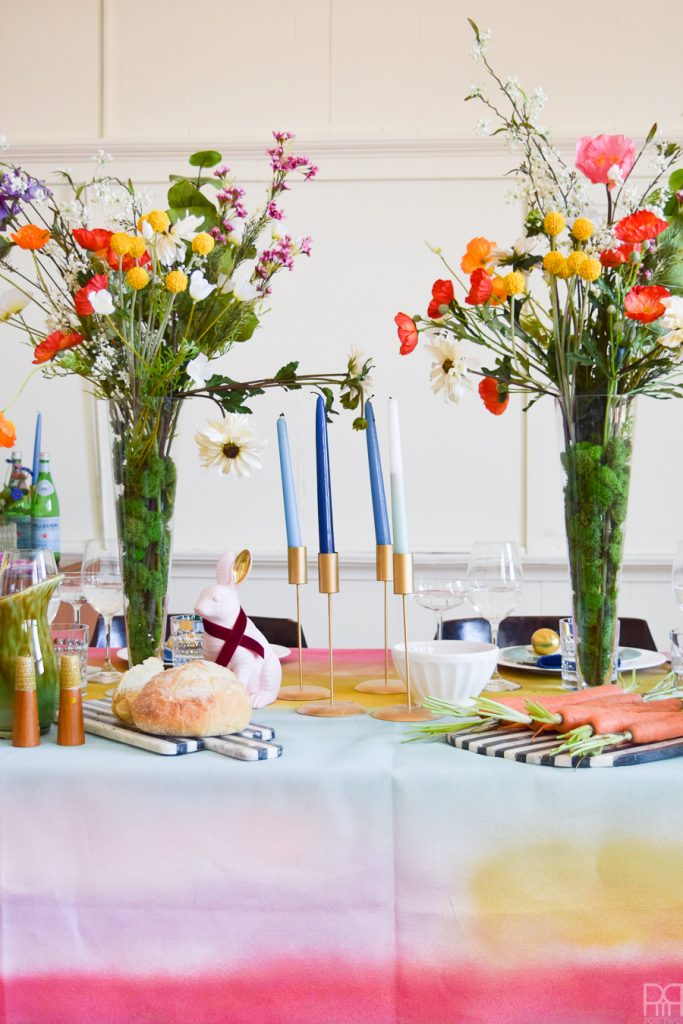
{"x": 450, "y": 369}
{"x": 357, "y": 360}
{"x": 672, "y": 322}
{"x": 230, "y": 445}
{"x": 170, "y": 245}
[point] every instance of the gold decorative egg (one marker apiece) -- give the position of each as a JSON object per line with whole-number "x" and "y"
{"x": 545, "y": 641}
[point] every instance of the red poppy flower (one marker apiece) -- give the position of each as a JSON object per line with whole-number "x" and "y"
{"x": 481, "y": 287}
{"x": 644, "y": 302}
{"x": 82, "y": 302}
{"x": 442, "y": 295}
{"x": 494, "y": 395}
{"x": 115, "y": 261}
{"x": 54, "y": 343}
{"x": 94, "y": 240}
{"x": 407, "y": 332}
{"x": 617, "y": 257}
{"x": 639, "y": 227}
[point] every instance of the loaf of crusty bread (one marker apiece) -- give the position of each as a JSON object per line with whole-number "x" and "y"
{"x": 130, "y": 684}
{"x": 196, "y": 699}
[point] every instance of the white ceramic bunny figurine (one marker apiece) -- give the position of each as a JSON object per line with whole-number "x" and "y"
{"x": 231, "y": 639}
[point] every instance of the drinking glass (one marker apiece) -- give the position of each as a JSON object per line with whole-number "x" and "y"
{"x": 23, "y": 568}
{"x": 71, "y": 592}
{"x": 72, "y": 638}
{"x": 103, "y": 589}
{"x": 439, "y": 595}
{"x": 677, "y": 575}
{"x": 494, "y": 582}
{"x": 186, "y": 638}
{"x": 676, "y": 638}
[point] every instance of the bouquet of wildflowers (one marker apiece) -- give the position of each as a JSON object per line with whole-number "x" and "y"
{"x": 140, "y": 302}
{"x": 585, "y": 307}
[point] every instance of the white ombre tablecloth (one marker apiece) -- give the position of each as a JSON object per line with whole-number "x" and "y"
{"x": 354, "y": 880}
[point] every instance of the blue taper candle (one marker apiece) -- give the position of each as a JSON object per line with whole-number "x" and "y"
{"x": 292, "y": 523}
{"x": 379, "y": 501}
{"x": 322, "y": 461}
{"x": 36, "y": 446}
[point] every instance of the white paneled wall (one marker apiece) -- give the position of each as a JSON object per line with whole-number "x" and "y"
{"x": 374, "y": 91}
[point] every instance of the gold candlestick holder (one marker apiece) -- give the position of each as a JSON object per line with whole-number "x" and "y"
{"x": 385, "y": 575}
{"x": 297, "y": 573}
{"x": 328, "y": 583}
{"x": 403, "y": 585}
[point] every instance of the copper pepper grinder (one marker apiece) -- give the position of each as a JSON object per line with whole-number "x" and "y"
{"x": 25, "y": 726}
{"x": 70, "y": 732}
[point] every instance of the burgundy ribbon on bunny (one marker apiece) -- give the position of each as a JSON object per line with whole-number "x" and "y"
{"x": 234, "y": 637}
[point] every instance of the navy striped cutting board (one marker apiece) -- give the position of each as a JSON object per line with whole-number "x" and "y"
{"x": 251, "y": 744}
{"x": 517, "y": 745}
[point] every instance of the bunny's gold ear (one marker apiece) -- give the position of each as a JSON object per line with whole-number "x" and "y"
{"x": 242, "y": 565}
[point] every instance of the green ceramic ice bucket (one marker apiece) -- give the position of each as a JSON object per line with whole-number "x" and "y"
{"x": 24, "y": 629}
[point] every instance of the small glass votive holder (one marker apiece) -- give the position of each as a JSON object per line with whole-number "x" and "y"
{"x": 72, "y": 638}
{"x": 676, "y": 638}
{"x": 570, "y": 677}
{"x": 186, "y": 638}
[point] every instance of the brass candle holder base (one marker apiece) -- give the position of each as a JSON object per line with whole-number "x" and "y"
{"x": 387, "y": 687}
{"x": 332, "y": 709}
{"x": 403, "y": 713}
{"x": 297, "y": 570}
{"x": 328, "y": 583}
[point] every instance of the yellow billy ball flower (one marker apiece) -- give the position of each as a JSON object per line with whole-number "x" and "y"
{"x": 158, "y": 220}
{"x": 591, "y": 269}
{"x": 553, "y": 223}
{"x": 137, "y": 278}
{"x": 575, "y": 261}
{"x": 564, "y": 271}
{"x": 582, "y": 229}
{"x": 120, "y": 243}
{"x": 136, "y": 247}
{"x": 176, "y": 281}
{"x": 514, "y": 283}
{"x": 553, "y": 262}
{"x": 203, "y": 243}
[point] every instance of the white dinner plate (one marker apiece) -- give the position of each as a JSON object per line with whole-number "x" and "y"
{"x": 280, "y": 651}
{"x": 525, "y": 658}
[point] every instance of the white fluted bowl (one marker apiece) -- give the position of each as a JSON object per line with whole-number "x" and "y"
{"x": 454, "y": 670}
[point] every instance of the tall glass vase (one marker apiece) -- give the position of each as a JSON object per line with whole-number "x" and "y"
{"x": 597, "y": 432}
{"x": 145, "y": 480}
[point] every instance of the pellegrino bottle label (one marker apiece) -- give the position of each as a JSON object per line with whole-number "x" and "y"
{"x": 24, "y": 531}
{"x": 46, "y": 532}
{"x": 45, "y": 487}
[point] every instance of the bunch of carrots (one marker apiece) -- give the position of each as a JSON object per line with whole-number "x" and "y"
{"x": 586, "y": 720}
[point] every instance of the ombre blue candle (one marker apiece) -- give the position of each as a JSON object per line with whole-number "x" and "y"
{"x": 37, "y": 441}
{"x": 322, "y": 462}
{"x": 379, "y": 501}
{"x": 292, "y": 523}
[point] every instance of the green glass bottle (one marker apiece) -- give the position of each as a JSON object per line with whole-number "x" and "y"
{"x": 45, "y": 510}
{"x": 19, "y": 507}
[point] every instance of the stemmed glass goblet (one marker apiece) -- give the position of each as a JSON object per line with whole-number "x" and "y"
{"x": 494, "y": 582}
{"x": 440, "y": 596}
{"x": 103, "y": 589}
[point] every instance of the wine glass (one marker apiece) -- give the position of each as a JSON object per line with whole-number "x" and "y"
{"x": 494, "y": 582}
{"x": 24, "y": 567}
{"x": 71, "y": 592}
{"x": 677, "y": 575}
{"x": 439, "y": 595}
{"x": 103, "y": 589}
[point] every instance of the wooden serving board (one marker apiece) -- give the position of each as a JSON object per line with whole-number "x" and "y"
{"x": 251, "y": 744}
{"x": 518, "y": 745}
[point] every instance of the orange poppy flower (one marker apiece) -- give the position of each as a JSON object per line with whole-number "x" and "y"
{"x": 494, "y": 395}
{"x": 640, "y": 226}
{"x": 94, "y": 240}
{"x": 478, "y": 255}
{"x": 54, "y": 343}
{"x": 407, "y": 333}
{"x": 8, "y": 432}
{"x": 30, "y": 236}
{"x": 442, "y": 295}
{"x": 498, "y": 292}
{"x": 644, "y": 303}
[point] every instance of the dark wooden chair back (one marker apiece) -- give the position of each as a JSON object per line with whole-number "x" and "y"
{"x": 517, "y": 629}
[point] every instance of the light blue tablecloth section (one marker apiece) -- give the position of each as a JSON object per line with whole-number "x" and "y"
{"x": 353, "y": 845}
